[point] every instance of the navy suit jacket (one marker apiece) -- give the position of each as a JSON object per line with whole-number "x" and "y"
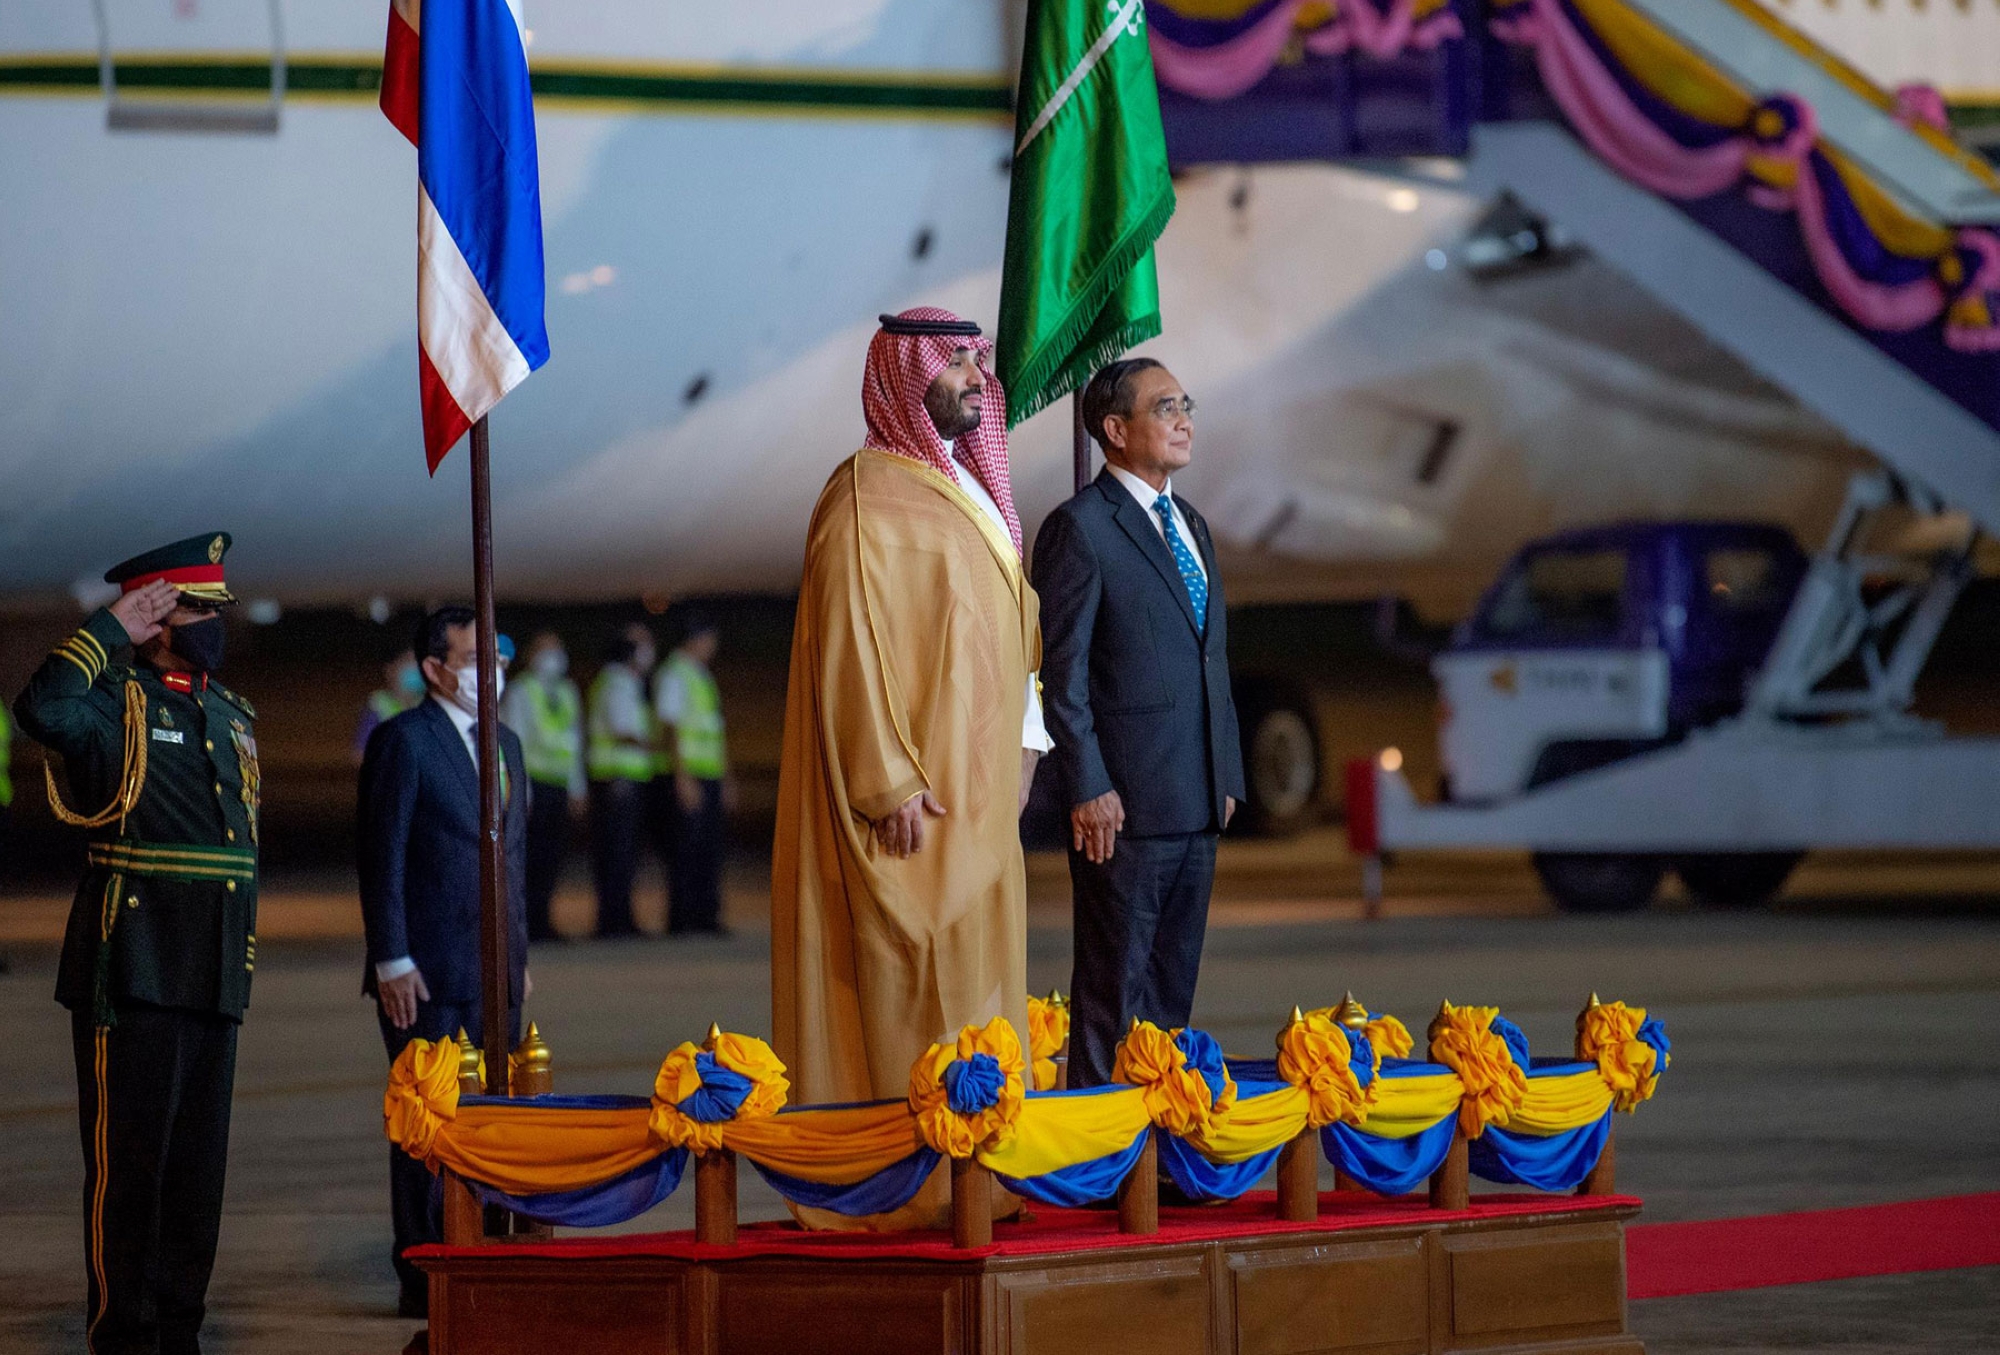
{"x": 1136, "y": 697}
{"x": 418, "y": 838}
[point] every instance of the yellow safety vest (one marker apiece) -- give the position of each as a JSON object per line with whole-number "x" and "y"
{"x": 553, "y": 737}
{"x": 608, "y": 759}
{"x": 699, "y": 746}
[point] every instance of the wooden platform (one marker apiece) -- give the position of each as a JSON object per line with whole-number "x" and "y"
{"x": 1508, "y": 1275}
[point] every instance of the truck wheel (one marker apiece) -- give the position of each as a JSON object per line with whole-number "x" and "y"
{"x": 1599, "y": 882}
{"x": 1736, "y": 879}
{"x": 1281, "y": 757}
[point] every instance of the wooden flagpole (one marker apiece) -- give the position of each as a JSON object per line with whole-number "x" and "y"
{"x": 494, "y": 960}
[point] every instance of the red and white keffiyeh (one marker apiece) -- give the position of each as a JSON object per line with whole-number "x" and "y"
{"x": 900, "y": 369}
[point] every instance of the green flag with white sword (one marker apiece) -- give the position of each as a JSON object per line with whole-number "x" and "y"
{"x": 1090, "y": 195}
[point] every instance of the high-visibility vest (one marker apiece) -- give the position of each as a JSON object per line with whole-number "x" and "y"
{"x": 386, "y": 705}
{"x": 699, "y": 747}
{"x": 607, "y": 759}
{"x": 552, "y": 736}
{"x": 6, "y": 759}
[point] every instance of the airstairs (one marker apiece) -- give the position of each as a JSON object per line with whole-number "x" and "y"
{"x": 1814, "y": 225}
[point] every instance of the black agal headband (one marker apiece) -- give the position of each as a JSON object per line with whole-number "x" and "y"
{"x": 896, "y": 324}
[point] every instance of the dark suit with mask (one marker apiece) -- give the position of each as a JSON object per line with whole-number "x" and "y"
{"x": 1136, "y": 692}
{"x": 418, "y": 838}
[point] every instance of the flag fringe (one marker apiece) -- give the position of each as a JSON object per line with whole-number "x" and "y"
{"x": 1037, "y": 378}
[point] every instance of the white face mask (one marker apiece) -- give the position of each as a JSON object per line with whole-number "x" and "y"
{"x": 551, "y": 665}
{"x": 467, "y": 695}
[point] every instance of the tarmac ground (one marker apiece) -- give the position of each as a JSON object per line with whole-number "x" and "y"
{"x": 1833, "y": 1049}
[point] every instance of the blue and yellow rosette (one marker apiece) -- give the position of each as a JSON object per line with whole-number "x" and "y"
{"x": 1316, "y": 1055}
{"x": 966, "y": 1095}
{"x": 1630, "y": 1049}
{"x": 701, "y": 1089}
{"x": 1180, "y": 1074}
{"x": 1465, "y": 1040}
{"x": 422, "y": 1096}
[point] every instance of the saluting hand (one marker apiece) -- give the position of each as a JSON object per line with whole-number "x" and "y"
{"x": 1094, "y": 826}
{"x": 901, "y": 834}
{"x": 142, "y": 610}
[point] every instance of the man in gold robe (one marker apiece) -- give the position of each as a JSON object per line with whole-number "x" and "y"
{"x": 912, "y": 726}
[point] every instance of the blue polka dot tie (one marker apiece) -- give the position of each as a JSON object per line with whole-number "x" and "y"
{"x": 1191, "y": 575}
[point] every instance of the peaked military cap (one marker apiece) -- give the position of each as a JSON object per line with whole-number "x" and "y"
{"x": 194, "y": 566}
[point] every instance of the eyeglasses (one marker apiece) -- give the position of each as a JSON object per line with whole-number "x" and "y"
{"x": 1167, "y": 409}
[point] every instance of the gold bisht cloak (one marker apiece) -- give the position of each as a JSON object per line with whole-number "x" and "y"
{"x": 916, "y": 633}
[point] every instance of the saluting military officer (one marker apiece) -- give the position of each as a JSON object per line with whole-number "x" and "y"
{"x": 161, "y": 765}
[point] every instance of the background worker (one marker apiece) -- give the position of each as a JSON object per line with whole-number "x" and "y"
{"x": 688, "y": 706}
{"x": 620, "y": 759}
{"x": 402, "y": 687}
{"x": 544, "y": 708}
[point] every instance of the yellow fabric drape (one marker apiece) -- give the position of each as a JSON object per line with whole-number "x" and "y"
{"x": 832, "y": 1147}
{"x": 1410, "y": 1105}
{"x": 1552, "y": 1105}
{"x": 1664, "y": 65}
{"x": 1255, "y": 1124}
{"x": 1060, "y": 1131}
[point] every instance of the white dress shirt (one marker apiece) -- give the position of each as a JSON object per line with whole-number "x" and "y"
{"x": 466, "y": 725}
{"x": 1034, "y": 730}
{"x": 1147, "y": 497}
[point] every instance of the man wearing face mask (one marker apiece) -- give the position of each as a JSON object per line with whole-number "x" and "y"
{"x": 542, "y": 706}
{"x": 402, "y": 687}
{"x": 418, "y": 838}
{"x": 161, "y": 772}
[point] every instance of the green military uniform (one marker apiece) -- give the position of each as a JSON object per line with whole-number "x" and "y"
{"x": 162, "y": 774}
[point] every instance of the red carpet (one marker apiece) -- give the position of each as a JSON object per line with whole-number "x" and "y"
{"x": 1054, "y": 1230}
{"x": 1665, "y": 1259}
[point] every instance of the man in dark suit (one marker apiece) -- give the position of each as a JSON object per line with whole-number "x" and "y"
{"x": 419, "y": 863}
{"x": 1135, "y": 675}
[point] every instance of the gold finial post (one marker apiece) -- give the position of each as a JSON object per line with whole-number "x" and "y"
{"x": 470, "y": 1065}
{"x": 530, "y": 1065}
{"x": 1350, "y": 1014}
{"x": 714, "y": 1037}
{"x": 1437, "y": 1022}
{"x": 1297, "y": 1015}
{"x": 1056, "y": 999}
{"x": 1582, "y": 1019}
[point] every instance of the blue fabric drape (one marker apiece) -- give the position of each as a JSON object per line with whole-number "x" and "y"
{"x": 1388, "y": 1166}
{"x": 1085, "y": 1183}
{"x": 614, "y": 1201}
{"x": 1558, "y": 1162}
{"x": 891, "y": 1188}
{"x": 1200, "y": 1179}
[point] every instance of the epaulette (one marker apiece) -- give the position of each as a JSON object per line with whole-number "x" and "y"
{"x": 241, "y": 703}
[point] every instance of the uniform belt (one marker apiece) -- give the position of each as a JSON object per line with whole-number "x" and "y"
{"x": 174, "y": 860}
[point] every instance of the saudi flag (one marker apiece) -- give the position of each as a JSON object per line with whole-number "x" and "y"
{"x": 1090, "y": 195}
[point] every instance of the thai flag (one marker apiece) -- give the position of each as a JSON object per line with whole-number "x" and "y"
{"x": 455, "y": 82}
